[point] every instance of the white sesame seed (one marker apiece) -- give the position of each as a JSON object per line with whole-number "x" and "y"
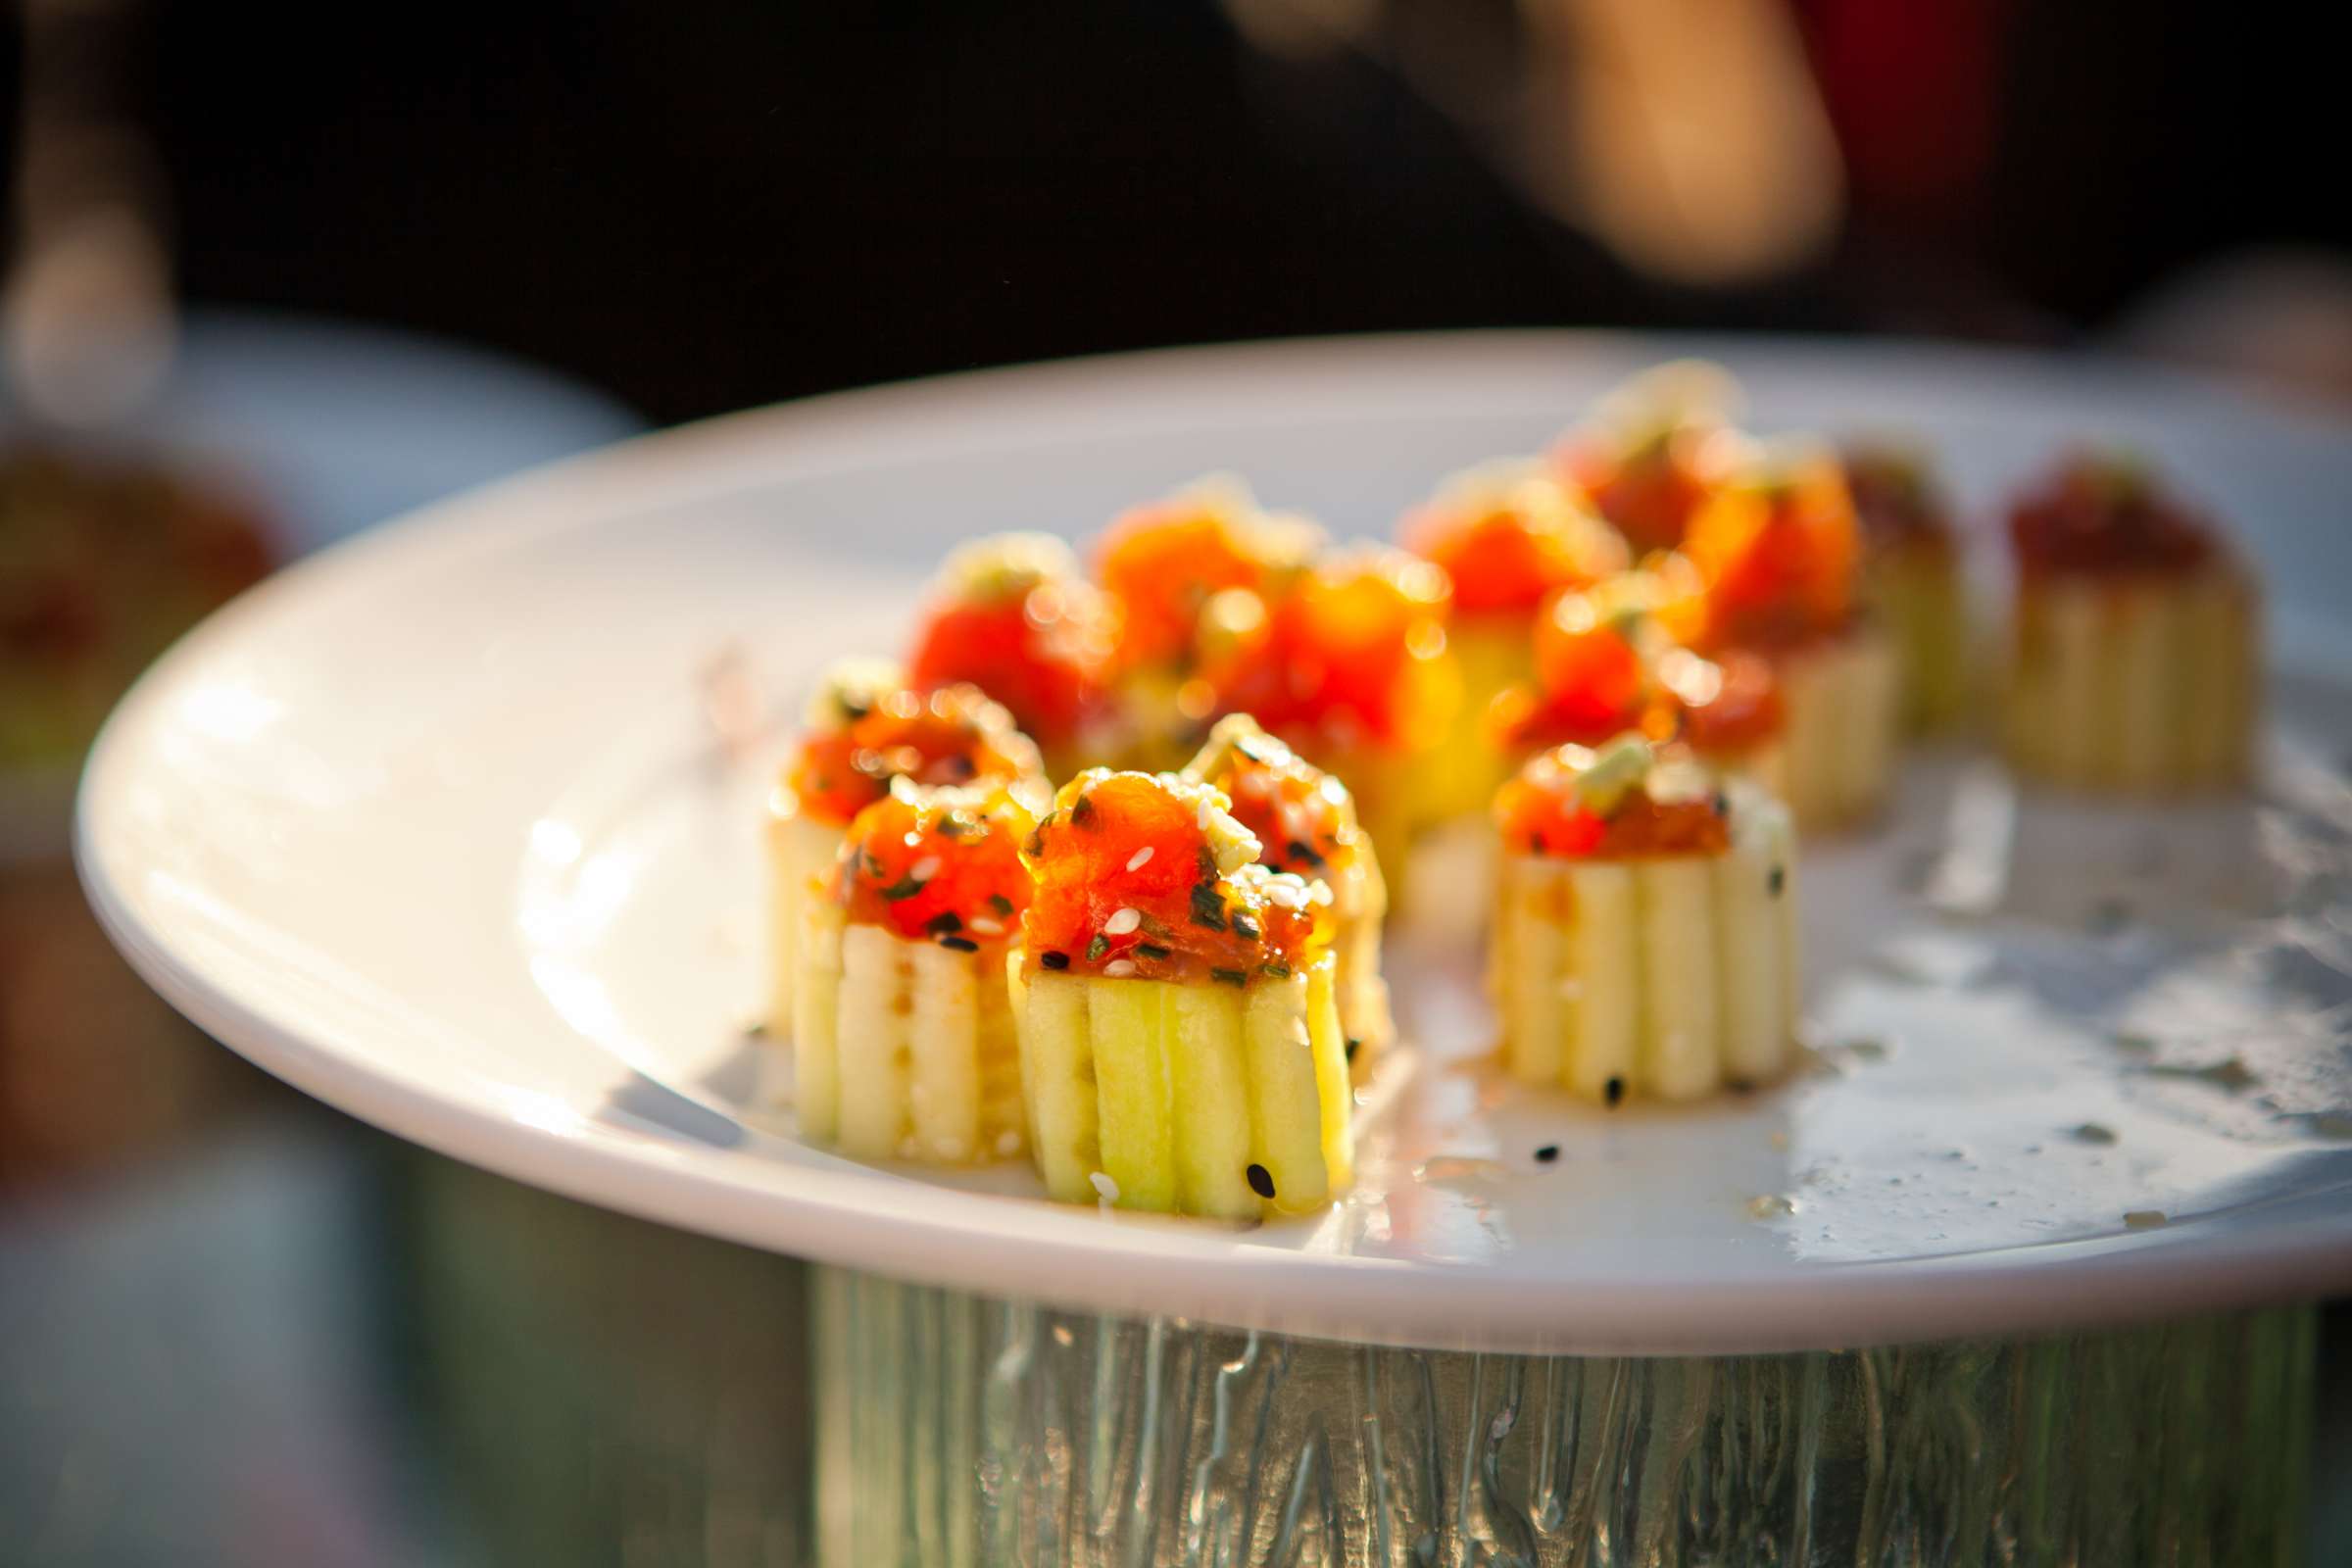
{"x": 1119, "y": 968}
{"x": 985, "y": 926}
{"x": 1140, "y": 858}
{"x": 1103, "y": 1185}
{"x": 924, "y": 869}
{"x": 1208, "y": 809}
{"x": 1121, "y": 922}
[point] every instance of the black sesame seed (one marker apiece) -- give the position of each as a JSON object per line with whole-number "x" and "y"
{"x": 1150, "y": 950}
{"x": 1301, "y": 850}
{"x": 1723, "y": 804}
{"x": 1354, "y": 1046}
{"x": 1614, "y": 1090}
{"x": 960, "y": 944}
{"x": 1229, "y": 977}
{"x": 1778, "y": 880}
{"x": 1278, "y": 969}
{"x": 905, "y": 887}
{"x": 1000, "y": 903}
{"x": 852, "y": 709}
{"x": 946, "y": 923}
{"x": 1261, "y": 1180}
{"x": 953, "y": 827}
{"x": 964, "y": 768}
{"x": 1054, "y": 961}
{"x": 1096, "y": 947}
{"x": 1245, "y": 927}
{"x": 1547, "y": 1153}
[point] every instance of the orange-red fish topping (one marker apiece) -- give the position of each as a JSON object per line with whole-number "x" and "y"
{"x": 1301, "y": 816}
{"x": 1578, "y": 803}
{"x": 1509, "y": 543}
{"x": 941, "y": 865}
{"x": 2099, "y": 513}
{"x": 1147, "y": 875}
{"x": 952, "y": 736}
{"x": 1013, "y": 618}
{"x": 1778, "y": 551}
{"x": 1163, "y": 560}
{"x": 1352, "y": 654}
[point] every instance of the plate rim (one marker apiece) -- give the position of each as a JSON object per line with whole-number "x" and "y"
{"x": 1141, "y": 1267}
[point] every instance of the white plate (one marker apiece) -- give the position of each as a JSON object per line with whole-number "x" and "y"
{"x": 432, "y": 827}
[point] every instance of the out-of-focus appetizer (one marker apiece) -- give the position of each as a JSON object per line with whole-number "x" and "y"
{"x": 1304, "y": 822}
{"x": 1162, "y": 563}
{"x": 1777, "y": 554}
{"x": 2134, "y": 660}
{"x": 1180, "y": 1040}
{"x": 1510, "y": 536}
{"x": 903, "y": 1030}
{"x": 102, "y": 564}
{"x": 1912, "y": 579}
{"x": 1656, "y": 449}
{"x": 1011, "y": 615}
{"x": 863, "y": 730}
{"x": 1350, "y": 667}
{"x": 1645, "y": 938}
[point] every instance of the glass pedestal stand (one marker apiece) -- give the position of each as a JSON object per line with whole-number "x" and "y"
{"x": 954, "y": 1429}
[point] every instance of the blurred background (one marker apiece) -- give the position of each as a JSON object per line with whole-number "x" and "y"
{"x": 274, "y": 272}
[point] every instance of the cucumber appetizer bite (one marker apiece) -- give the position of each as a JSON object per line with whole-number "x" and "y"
{"x": 1011, "y": 615}
{"x": 862, "y": 730}
{"x": 1163, "y": 565}
{"x": 1912, "y": 579}
{"x": 1644, "y": 931}
{"x": 1777, "y": 551}
{"x": 903, "y": 1032}
{"x": 1510, "y": 535}
{"x": 2134, "y": 662}
{"x": 1180, "y": 1043}
{"x": 1304, "y": 822}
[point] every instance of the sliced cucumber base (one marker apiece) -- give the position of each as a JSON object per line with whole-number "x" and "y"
{"x": 1666, "y": 977}
{"x": 1174, "y": 1097}
{"x": 1843, "y": 699}
{"x": 1360, "y": 910}
{"x": 2148, "y": 686}
{"x": 800, "y": 849}
{"x": 903, "y": 1050}
{"x": 1918, "y": 593}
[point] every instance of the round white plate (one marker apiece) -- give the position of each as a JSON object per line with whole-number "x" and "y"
{"x": 434, "y": 826}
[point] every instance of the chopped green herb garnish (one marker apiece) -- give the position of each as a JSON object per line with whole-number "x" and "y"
{"x": 1245, "y": 927}
{"x": 1150, "y": 950}
{"x": 906, "y": 887}
{"x": 1001, "y": 905}
{"x": 1229, "y": 977}
{"x": 1209, "y": 908}
{"x": 1096, "y": 947}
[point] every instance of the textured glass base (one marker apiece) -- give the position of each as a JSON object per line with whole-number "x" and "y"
{"x": 954, "y": 1429}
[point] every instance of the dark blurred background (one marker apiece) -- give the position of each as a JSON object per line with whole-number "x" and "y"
{"x": 702, "y": 206}
{"x": 413, "y": 247}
